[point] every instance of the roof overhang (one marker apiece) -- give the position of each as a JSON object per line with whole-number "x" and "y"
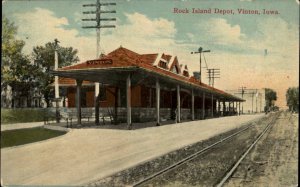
{"x": 118, "y": 75}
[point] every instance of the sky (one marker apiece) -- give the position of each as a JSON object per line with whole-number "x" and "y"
{"x": 251, "y": 50}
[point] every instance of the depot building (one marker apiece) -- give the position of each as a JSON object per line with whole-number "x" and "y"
{"x": 142, "y": 87}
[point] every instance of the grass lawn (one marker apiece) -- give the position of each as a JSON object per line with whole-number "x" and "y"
{"x": 23, "y": 115}
{"x": 25, "y": 136}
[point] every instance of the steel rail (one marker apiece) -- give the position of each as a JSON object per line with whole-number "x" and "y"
{"x": 252, "y": 123}
{"x": 228, "y": 175}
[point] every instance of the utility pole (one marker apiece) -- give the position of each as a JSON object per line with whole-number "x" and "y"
{"x": 56, "y": 86}
{"x": 242, "y": 90}
{"x": 200, "y": 50}
{"x": 212, "y": 74}
{"x": 252, "y": 102}
{"x": 260, "y": 95}
{"x": 253, "y": 92}
{"x": 256, "y": 95}
{"x": 98, "y": 18}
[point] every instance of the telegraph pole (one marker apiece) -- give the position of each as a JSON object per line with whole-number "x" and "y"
{"x": 260, "y": 95}
{"x": 252, "y": 102}
{"x": 98, "y": 19}
{"x": 209, "y": 76}
{"x": 242, "y": 89}
{"x": 200, "y": 50}
{"x": 56, "y": 86}
{"x": 256, "y": 95}
{"x": 252, "y": 92}
{"x": 212, "y": 74}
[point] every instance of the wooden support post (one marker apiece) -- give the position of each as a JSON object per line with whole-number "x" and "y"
{"x": 97, "y": 104}
{"x": 119, "y": 97}
{"x": 78, "y": 100}
{"x": 178, "y": 104}
{"x": 219, "y": 107}
{"x": 235, "y": 108}
{"x": 193, "y": 105}
{"x": 203, "y": 105}
{"x": 157, "y": 102}
{"x": 150, "y": 97}
{"x": 116, "y": 105}
{"x": 239, "y": 108}
{"x": 128, "y": 95}
{"x": 212, "y": 105}
{"x": 224, "y": 108}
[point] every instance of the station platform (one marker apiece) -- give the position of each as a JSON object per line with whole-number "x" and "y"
{"x": 88, "y": 154}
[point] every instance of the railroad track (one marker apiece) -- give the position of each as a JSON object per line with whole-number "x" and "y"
{"x": 230, "y": 172}
{"x": 199, "y": 153}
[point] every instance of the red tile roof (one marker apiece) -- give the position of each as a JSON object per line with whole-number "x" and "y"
{"x": 148, "y": 58}
{"x": 123, "y": 57}
{"x": 63, "y": 81}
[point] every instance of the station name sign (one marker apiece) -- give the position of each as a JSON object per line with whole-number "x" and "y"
{"x": 98, "y": 62}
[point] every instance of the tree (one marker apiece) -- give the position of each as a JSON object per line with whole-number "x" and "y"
{"x": 292, "y": 99}
{"x": 17, "y": 74}
{"x": 44, "y": 59}
{"x": 270, "y": 97}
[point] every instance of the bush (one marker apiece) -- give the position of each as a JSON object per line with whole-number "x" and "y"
{"x": 23, "y": 115}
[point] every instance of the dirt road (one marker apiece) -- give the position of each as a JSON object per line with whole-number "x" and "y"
{"x": 274, "y": 160}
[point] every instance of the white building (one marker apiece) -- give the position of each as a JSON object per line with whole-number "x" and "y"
{"x": 254, "y": 100}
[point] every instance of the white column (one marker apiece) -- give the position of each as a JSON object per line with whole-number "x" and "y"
{"x": 97, "y": 104}
{"x": 157, "y": 102}
{"x": 97, "y": 88}
{"x": 56, "y": 86}
{"x": 193, "y": 105}
{"x": 78, "y": 100}
{"x": 178, "y": 104}
{"x": 128, "y": 91}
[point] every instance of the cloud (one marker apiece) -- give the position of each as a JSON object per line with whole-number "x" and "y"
{"x": 220, "y": 31}
{"x": 279, "y": 35}
{"x": 41, "y": 26}
{"x": 143, "y": 34}
{"x": 77, "y": 18}
{"x": 146, "y": 27}
{"x": 137, "y": 33}
{"x": 241, "y": 57}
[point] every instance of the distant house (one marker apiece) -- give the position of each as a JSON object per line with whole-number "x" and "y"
{"x": 20, "y": 100}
